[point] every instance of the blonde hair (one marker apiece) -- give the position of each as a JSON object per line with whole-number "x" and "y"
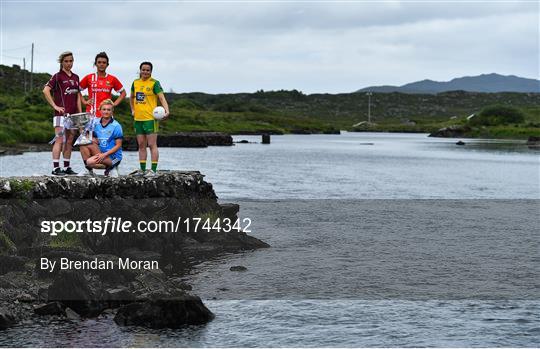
{"x": 62, "y": 56}
{"x": 106, "y": 102}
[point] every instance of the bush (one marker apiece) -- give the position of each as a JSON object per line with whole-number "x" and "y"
{"x": 498, "y": 115}
{"x": 35, "y": 98}
{"x": 184, "y": 103}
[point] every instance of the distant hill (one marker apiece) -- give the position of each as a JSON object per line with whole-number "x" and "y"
{"x": 13, "y": 80}
{"x": 481, "y": 83}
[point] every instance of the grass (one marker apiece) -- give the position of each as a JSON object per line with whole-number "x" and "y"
{"x": 66, "y": 239}
{"x": 6, "y": 245}
{"x": 21, "y": 186}
{"x": 26, "y": 118}
{"x": 529, "y": 127}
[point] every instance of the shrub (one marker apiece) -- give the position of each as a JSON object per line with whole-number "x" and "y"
{"x": 184, "y": 103}
{"x": 498, "y": 115}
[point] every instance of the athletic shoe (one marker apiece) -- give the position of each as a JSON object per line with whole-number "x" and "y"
{"x": 113, "y": 173}
{"x": 69, "y": 171}
{"x": 149, "y": 173}
{"x": 58, "y": 172}
{"x": 137, "y": 173}
{"x": 110, "y": 173}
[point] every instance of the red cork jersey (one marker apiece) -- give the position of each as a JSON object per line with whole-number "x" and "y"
{"x": 99, "y": 89}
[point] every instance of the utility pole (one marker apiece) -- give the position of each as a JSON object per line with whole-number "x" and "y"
{"x": 24, "y": 73}
{"x": 32, "y": 67}
{"x": 369, "y": 107}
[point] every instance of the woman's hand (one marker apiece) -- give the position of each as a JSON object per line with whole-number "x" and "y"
{"x": 59, "y": 109}
{"x": 100, "y": 157}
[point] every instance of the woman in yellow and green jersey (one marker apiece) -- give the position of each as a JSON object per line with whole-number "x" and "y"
{"x": 145, "y": 93}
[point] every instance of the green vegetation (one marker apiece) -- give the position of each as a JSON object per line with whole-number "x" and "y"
{"x": 66, "y": 239}
{"x": 21, "y": 186}
{"x": 498, "y": 115}
{"x": 26, "y": 118}
{"x": 6, "y": 245}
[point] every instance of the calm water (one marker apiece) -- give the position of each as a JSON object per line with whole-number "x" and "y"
{"x": 377, "y": 240}
{"x": 347, "y": 166}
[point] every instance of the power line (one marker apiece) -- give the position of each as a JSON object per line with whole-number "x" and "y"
{"x": 17, "y": 48}
{"x": 11, "y": 56}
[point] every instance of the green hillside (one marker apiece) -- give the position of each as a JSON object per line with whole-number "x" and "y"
{"x": 25, "y": 117}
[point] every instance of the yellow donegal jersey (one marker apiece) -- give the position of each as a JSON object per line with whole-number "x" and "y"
{"x": 145, "y": 93}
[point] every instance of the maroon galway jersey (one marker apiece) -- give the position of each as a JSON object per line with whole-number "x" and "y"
{"x": 65, "y": 89}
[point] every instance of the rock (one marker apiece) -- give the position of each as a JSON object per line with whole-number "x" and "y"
{"x": 43, "y": 294}
{"x": 151, "y": 284}
{"x": 72, "y": 315}
{"x": 243, "y": 141}
{"x": 51, "y": 308}
{"x": 138, "y": 255}
{"x": 185, "y": 139}
{"x": 166, "y": 183}
{"x": 11, "y": 263}
{"x": 6, "y": 283}
{"x": 230, "y": 210}
{"x": 533, "y": 141}
{"x": 453, "y": 131}
{"x": 178, "y": 284}
{"x": 72, "y": 289}
{"x": 238, "y": 268}
{"x": 117, "y": 297}
{"x": 164, "y": 313}
{"x": 7, "y": 247}
{"x": 26, "y": 297}
{"x": 6, "y": 319}
{"x": 460, "y": 143}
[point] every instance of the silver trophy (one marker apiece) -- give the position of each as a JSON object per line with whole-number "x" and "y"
{"x": 84, "y": 122}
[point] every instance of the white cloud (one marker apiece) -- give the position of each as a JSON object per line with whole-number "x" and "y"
{"x": 314, "y": 47}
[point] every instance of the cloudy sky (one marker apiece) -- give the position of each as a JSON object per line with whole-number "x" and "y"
{"x": 226, "y": 47}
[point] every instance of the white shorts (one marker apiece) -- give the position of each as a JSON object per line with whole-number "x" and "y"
{"x": 62, "y": 121}
{"x": 58, "y": 121}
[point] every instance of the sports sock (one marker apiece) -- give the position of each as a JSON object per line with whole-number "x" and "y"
{"x": 154, "y": 166}
{"x": 142, "y": 163}
{"x": 66, "y": 163}
{"x": 56, "y": 163}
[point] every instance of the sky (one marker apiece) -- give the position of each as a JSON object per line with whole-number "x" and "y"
{"x": 245, "y": 46}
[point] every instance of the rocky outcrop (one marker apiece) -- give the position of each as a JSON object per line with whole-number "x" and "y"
{"x": 171, "y": 313}
{"x": 6, "y": 319}
{"x": 533, "y": 142}
{"x": 150, "y": 291}
{"x": 173, "y": 184}
{"x": 185, "y": 140}
{"x": 51, "y": 308}
{"x": 72, "y": 290}
{"x": 453, "y": 131}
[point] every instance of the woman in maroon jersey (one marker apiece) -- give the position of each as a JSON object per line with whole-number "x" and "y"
{"x": 65, "y": 86}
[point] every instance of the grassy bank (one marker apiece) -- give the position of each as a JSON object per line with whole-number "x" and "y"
{"x": 26, "y": 118}
{"x": 530, "y": 126}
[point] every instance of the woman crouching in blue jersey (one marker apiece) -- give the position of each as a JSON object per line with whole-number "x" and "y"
{"x": 108, "y": 133}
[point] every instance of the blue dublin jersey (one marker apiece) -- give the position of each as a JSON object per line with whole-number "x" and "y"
{"x": 107, "y": 136}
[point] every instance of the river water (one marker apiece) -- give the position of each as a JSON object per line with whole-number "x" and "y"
{"x": 377, "y": 240}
